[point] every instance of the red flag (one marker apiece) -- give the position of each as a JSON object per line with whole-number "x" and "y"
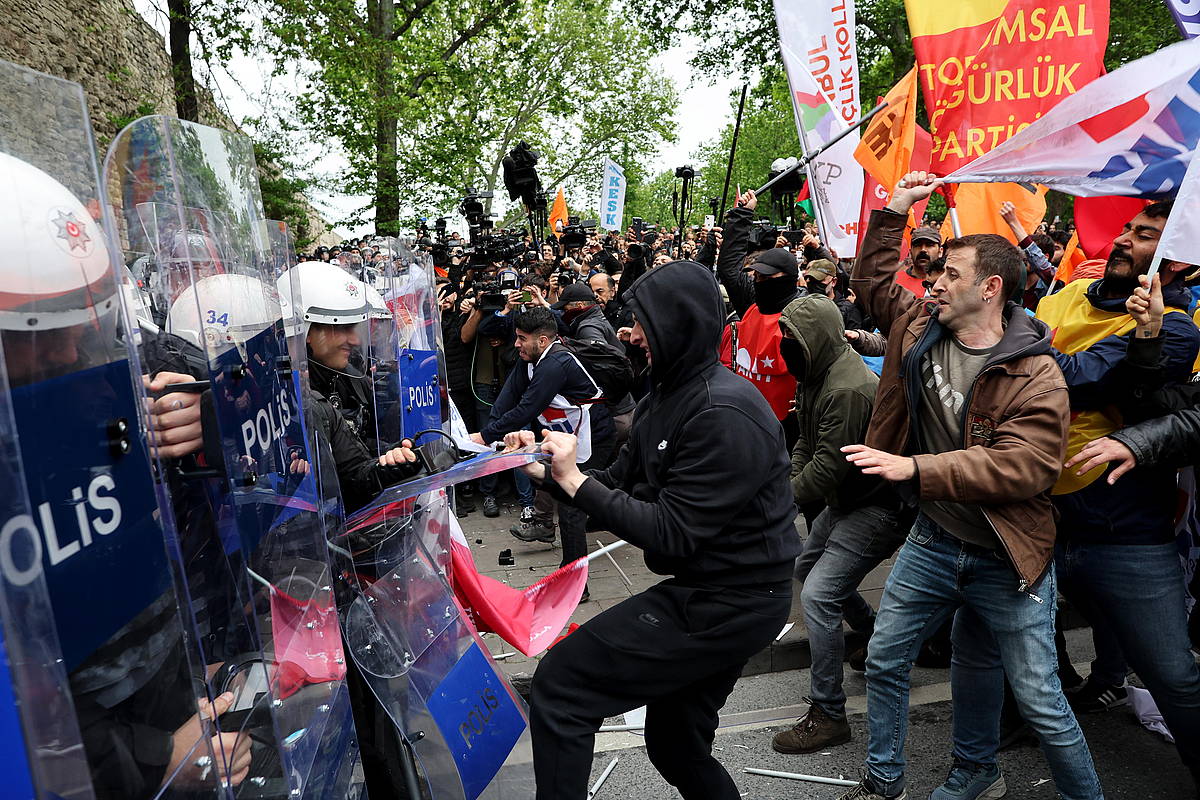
{"x": 528, "y": 619}
{"x": 1099, "y": 220}
{"x": 307, "y": 643}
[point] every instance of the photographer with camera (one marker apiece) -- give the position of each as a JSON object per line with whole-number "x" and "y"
{"x": 492, "y": 358}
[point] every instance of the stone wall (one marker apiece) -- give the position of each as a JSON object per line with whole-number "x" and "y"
{"x": 120, "y": 60}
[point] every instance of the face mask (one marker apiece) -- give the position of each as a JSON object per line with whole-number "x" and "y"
{"x": 793, "y": 355}
{"x": 773, "y": 294}
{"x": 570, "y": 314}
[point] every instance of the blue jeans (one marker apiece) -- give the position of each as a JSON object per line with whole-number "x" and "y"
{"x": 1137, "y": 593}
{"x": 841, "y": 549}
{"x": 934, "y": 575}
{"x": 488, "y": 484}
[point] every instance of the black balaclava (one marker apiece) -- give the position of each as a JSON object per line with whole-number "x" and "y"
{"x": 793, "y": 355}
{"x": 773, "y": 294}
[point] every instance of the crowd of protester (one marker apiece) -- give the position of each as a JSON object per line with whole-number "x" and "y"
{"x": 1013, "y": 442}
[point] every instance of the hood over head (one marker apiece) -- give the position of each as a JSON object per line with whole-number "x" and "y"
{"x": 815, "y": 321}
{"x": 679, "y": 307}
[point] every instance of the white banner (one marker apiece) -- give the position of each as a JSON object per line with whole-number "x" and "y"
{"x": 1131, "y": 132}
{"x": 612, "y": 196}
{"x": 820, "y": 55}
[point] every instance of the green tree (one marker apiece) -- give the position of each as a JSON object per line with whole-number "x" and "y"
{"x": 572, "y": 80}
{"x": 371, "y": 66}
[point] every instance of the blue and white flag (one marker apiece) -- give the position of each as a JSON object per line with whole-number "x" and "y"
{"x": 612, "y": 196}
{"x": 1187, "y": 16}
{"x": 1131, "y": 132}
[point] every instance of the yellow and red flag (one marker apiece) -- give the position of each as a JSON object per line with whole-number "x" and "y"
{"x": 989, "y": 68}
{"x": 558, "y": 213}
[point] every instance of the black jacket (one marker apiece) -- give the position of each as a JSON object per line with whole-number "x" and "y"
{"x": 1140, "y": 508}
{"x": 358, "y": 472}
{"x": 593, "y": 325}
{"x": 702, "y": 485}
{"x": 1172, "y": 441}
{"x": 458, "y": 355}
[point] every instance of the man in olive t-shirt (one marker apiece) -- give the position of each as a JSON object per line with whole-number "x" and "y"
{"x": 948, "y": 371}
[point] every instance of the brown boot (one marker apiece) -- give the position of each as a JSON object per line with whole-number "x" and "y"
{"x": 814, "y": 731}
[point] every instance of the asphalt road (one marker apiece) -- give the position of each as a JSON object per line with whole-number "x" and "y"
{"x": 1132, "y": 762}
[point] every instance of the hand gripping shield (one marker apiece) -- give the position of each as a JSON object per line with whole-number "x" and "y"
{"x": 251, "y": 525}
{"x": 96, "y": 640}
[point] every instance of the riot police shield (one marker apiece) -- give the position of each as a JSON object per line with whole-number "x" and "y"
{"x": 252, "y": 527}
{"x": 108, "y": 663}
{"x": 424, "y": 661}
{"x": 408, "y": 286}
{"x": 41, "y": 752}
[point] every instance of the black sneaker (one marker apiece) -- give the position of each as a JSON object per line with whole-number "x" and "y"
{"x": 533, "y": 527}
{"x": 490, "y": 507}
{"x": 864, "y": 790}
{"x": 1093, "y": 697}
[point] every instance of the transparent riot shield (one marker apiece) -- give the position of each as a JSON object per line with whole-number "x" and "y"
{"x": 40, "y": 753}
{"x": 408, "y": 287}
{"x": 252, "y": 528}
{"x": 107, "y": 663}
{"x": 466, "y": 727}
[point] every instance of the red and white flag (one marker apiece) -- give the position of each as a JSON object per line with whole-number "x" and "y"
{"x": 528, "y": 619}
{"x": 1131, "y": 132}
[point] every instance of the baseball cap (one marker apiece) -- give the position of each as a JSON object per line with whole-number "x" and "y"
{"x": 820, "y": 269}
{"x": 577, "y": 293}
{"x": 927, "y": 234}
{"x": 775, "y": 261}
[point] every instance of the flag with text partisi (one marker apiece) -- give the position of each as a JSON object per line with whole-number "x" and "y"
{"x": 988, "y": 68}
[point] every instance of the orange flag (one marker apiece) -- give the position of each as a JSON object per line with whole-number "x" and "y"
{"x": 886, "y": 147}
{"x": 991, "y": 67}
{"x": 558, "y": 213}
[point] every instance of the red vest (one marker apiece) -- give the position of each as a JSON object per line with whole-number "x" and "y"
{"x": 758, "y": 358}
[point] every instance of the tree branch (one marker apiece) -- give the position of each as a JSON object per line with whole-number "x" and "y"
{"x": 410, "y": 18}
{"x": 464, "y": 37}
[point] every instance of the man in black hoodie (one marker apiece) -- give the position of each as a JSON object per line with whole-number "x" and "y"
{"x": 702, "y": 487}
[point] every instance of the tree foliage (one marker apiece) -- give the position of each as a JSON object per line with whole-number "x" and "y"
{"x": 745, "y": 41}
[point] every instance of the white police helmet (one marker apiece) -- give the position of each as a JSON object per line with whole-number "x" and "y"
{"x": 69, "y": 280}
{"x": 326, "y": 294}
{"x": 379, "y": 309}
{"x": 222, "y": 312}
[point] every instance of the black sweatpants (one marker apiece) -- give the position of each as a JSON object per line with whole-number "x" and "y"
{"x": 676, "y": 649}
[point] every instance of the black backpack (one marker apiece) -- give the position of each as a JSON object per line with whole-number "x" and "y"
{"x": 608, "y": 366}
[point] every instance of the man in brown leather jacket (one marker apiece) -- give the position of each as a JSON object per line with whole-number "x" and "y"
{"x": 970, "y": 423}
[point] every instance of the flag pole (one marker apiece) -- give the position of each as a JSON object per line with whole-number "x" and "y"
{"x": 1154, "y": 265}
{"x": 808, "y": 158}
{"x": 737, "y": 128}
{"x": 603, "y": 551}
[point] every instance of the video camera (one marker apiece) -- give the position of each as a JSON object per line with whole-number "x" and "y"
{"x": 472, "y": 208}
{"x": 763, "y": 234}
{"x": 490, "y": 248}
{"x": 646, "y": 246}
{"x": 576, "y": 233}
{"x": 493, "y": 295}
